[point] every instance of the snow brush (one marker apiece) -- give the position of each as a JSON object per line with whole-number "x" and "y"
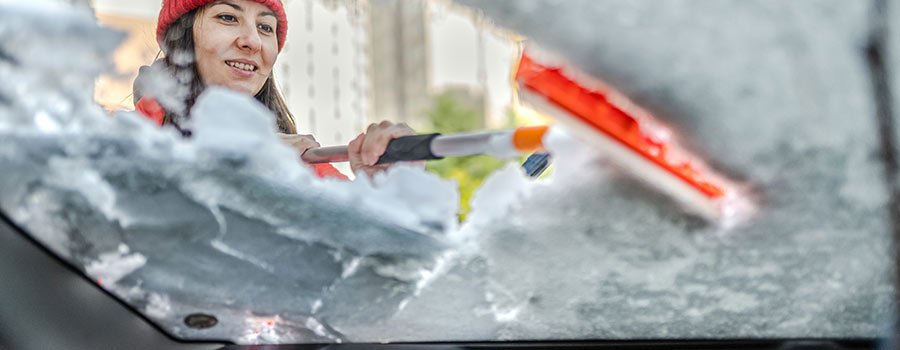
{"x": 500, "y": 144}
{"x": 600, "y": 117}
{"x": 606, "y": 120}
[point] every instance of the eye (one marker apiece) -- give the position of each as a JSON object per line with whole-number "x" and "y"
{"x": 227, "y": 18}
{"x": 266, "y": 28}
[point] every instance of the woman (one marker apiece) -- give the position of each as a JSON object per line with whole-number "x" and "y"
{"x": 234, "y": 44}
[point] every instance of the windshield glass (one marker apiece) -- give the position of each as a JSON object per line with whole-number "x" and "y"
{"x": 745, "y": 198}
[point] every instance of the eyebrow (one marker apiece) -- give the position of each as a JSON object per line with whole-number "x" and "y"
{"x": 239, "y": 8}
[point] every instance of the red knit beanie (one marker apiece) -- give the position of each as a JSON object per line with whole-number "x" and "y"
{"x": 173, "y": 9}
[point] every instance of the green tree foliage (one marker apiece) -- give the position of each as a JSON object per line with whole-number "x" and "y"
{"x": 449, "y": 115}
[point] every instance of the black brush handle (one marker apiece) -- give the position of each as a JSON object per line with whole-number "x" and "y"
{"x": 409, "y": 148}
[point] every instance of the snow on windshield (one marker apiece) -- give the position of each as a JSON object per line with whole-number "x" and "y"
{"x": 229, "y": 224}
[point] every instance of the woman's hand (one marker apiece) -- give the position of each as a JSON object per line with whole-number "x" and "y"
{"x": 366, "y": 148}
{"x": 301, "y": 143}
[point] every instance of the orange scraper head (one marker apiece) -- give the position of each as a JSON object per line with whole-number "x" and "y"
{"x": 604, "y": 118}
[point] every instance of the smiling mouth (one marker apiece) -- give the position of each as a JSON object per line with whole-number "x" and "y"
{"x": 242, "y": 66}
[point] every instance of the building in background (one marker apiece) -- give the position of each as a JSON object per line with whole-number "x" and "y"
{"x": 323, "y": 69}
{"x": 468, "y": 52}
{"x": 420, "y": 48}
{"x": 398, "y": 34}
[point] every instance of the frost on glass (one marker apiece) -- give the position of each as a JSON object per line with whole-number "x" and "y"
{"x": 228, "y": 222}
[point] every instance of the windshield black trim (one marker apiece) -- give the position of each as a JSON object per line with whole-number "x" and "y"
{"x": 780, "y": 344}
{"x": 877, "y": 54}
{"x": 8, "y": 225}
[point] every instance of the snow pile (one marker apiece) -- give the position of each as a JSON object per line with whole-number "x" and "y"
{"x": 161, "y": 220}
{"x": 111, "y": 267}
{"x": 28, "y": 70}
{"x": 155, "y": 81}
{"x": 762, "y": 92}
{"x": 500, "y": 192}
{"x": 231, "y": 126}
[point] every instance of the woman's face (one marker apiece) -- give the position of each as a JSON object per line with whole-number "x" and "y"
{"x": 235, "y": 44}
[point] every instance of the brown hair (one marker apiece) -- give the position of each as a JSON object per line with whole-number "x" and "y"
{"x": 178, "y": 44}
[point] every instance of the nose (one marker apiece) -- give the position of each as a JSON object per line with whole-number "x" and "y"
{"x": 248, "y": 39}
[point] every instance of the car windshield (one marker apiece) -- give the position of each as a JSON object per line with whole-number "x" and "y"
{"x": 717, "y": 170}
